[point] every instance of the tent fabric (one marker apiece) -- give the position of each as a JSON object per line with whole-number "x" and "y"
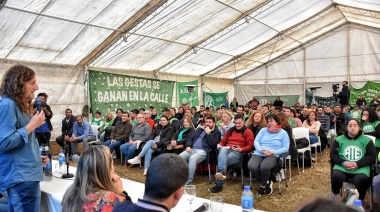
{"x": 244, "y": 47}
{"x": 222, "y": 38}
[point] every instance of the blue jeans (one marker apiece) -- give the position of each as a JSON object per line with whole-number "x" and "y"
{"x": 25, "y": 196}
{"x": 193, "y": 158}
{"x": 127, "y": 150}
{"x": 227, "y": 157}
{"x": 313, "y": 140}
{"x": 113, "y": 145}
{"x": 147, "y": 151}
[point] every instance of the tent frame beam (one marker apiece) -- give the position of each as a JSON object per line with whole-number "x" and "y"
{"x": 144, "y": 12}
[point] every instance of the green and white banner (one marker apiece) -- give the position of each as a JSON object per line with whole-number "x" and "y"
{"x": 320, "y": 101}
{"x": 184, "y": 95}
{"x": 111, "y": 91}
{"x": 214, "y": 99}
{"x": 289, "y": 100}
{"x": 369, "y": 90}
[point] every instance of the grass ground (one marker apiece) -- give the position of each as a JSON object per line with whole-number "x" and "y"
{"x": 314, "y": 182}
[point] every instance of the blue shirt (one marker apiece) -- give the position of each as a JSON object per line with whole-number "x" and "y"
{"x": 43, "y": 128}
{"x": 19, "y": 152}
{"x": 82, "y": 131}
{"x": 198, "y": 143}
{"x": 276, "y": 142}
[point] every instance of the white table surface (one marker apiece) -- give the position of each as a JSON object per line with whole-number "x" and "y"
{"x": 52, "y": 193}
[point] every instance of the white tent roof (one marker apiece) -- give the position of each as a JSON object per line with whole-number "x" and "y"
{"x": 217, "y": 38}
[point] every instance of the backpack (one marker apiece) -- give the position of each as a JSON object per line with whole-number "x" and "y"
{"x": 302, "y": 143}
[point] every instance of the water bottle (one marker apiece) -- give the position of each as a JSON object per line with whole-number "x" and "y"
{"x": 358, "y": 205}
{"x": 62, "y": 161}
{"x": 48, "y": 169}
{"x": 247, "y": 199}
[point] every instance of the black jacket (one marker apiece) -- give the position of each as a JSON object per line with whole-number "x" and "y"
{"x": 67, "y": 127}
{"x": 344, "y": 96}
{"x": 166, "y": 134}
{"x": 209, "y": 142}
{"x": 185, "y": 136}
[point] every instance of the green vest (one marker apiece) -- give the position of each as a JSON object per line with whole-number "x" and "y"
{"x": 370, "y": 127}
{"x": 352, "y": 151}
{"x": 356, "y": 114}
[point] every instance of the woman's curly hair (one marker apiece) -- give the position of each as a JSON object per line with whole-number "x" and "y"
{"x": 13, "y": 85}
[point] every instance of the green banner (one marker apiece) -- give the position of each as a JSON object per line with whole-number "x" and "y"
{"x": 184, "y": 95}
{"x": 214, "y": 99}
{"x": 369, "y": 90}
{"x": 289, "y": 100}
{"x": 320, "y": 101}
{"x": 111, "y": 91}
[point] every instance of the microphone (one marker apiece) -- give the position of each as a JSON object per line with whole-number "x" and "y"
{"x": 203, "y": 207}
{"x": 38, "y": 103}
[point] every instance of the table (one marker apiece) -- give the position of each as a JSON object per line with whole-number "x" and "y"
{"x": 52, "y": 193}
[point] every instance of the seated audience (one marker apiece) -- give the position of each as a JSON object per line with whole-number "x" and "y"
{"x": 148, "y": 119}
{"x": 236, "y": 141}
{"x": 139, "y": 134}
{"x": 159, "y": 138}
{"x": 270, "y": 143}
{"x": 198, "y": 146}
{"x": 97, "y": 120}
{"x": 314, "y": 125}
{"x": 180, "y": 113}
{"x": 119, "y": 133}
{"x": 108, "y": 121}
{"x": 340, "y": 120}
{"x": 164, "y": 186}
{"x": 226, "y": 123}
{"x": 289, "y": 130}
{"x": 371, "y": 126}
{"x": 234, "y": 104}
{"x": 351, "y": 155}
{"x": 375, "y": 102}
{"x": 173, "y": 121}
{"x": 361, "y": 101}
{"x": 180, "y": 138}
{"x": 256, "y": 122}
{"x": 293, "y": 114}
{"x": 96, "y": 187}
{"x": 82, "y": 132}
{"x": 324, "y": 120}
{"x": 66, "y": 129}
{"x": 304, "y": 114}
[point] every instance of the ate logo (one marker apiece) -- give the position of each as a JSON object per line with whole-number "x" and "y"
{"x": 352, "y": 153}
{"x": 368, "y": 128}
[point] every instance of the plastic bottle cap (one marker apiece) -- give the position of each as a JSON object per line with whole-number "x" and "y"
{"x": 61, "y": 151}
{"x": 247, "y": 188}
{"x": 357, "y": 202}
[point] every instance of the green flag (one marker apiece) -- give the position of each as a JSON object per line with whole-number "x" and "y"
{"x": 184, "y": 95}
{"x": 320, "y": 101}
{"x": 214, "y": 99}
{"x": 111, "y": 91}
{"x": 369, "y": 90}
{"x": 289, "y": 100}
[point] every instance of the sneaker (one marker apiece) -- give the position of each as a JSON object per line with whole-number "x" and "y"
{"x": 134, "y": 160}
{"x": 145, "y": 170}
{"x": 220, "y": 176}
{"x": 268, "y": 188}
{"x": 351, "y": 195}
{"x": 261, "y": 191}
{"x": 75, "y": 158}
{"x": 215, "y": 189}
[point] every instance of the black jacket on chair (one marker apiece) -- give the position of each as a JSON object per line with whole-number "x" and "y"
{"x": 166, "y": 133}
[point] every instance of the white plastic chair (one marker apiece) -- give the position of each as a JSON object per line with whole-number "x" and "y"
{"x": 95, "y": 130}
{"x": 300, "y": 132}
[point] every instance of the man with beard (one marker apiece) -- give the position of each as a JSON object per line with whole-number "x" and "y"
{"x": 199, "y": 144}
{"x": 67, "y": 129}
